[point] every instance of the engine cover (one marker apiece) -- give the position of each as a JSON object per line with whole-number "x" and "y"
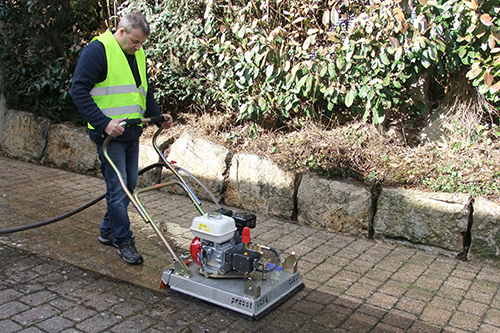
{"x": 213, "y": 227}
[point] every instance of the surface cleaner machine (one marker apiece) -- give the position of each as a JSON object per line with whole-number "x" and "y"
{"x": 225, "y": 268}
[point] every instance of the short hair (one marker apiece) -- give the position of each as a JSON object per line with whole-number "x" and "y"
{"x": 134, "y": 20}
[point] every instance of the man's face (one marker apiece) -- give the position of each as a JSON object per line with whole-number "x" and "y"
{"x": 130, "y": 42}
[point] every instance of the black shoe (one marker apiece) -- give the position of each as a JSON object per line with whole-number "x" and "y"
{"x": 129, "y": 253}
{"x": 107, "y": 238}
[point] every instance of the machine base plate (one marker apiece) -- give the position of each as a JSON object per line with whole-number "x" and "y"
{"x": 229, "y": 293}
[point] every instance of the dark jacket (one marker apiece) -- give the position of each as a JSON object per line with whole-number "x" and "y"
{"x": 91, "y": 69}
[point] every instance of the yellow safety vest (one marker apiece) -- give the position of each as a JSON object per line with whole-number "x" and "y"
{"x": 118, "y": 95}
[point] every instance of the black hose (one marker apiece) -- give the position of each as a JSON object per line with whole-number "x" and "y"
{"x": 277, "y": 260}
{"x": 52, "y": 220}
{"x": 70, "y": 213}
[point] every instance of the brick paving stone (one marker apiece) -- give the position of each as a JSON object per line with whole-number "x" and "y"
{"x": 386, "y": 328}
{"x": 349, "y": 302}
{"x": 411, "y": 305}
{"x": 484, "y": 286}
{"x": 307, "y": 307}
{"x": 458, "y": 283}
{"x": 436, "y": 315}
{"x": 489, "y": 274}
{"x": 8, "y": 326}
{"x": 493, "y": 317}
{"x": 479, "y": 297}
{"x": 382, "y": 300}
{"x": 370, "y": 282}
{"x": 361, "y": 290}
{"x": 423, "y": 327}
{"x": 394, "y": 288}
{"x": 488, "y": 329}
{"x": 35, "y": 315}
{"x": 136, "y": 323}
{"x": 99, "y": 322}
{"x": 420, "y": 294}
{"x": 429, "y": 283}
{"x": 55, "y": 324}
{"x": 472, "y": 307}
{"x": 37, "y": 298}
{"x": 451, "y": 293}
{"x": 463, "y": 274}
{"x": 379, "y": 274}
{"x": 12, "y": 308}
{"x": 399, "y": 319}
{"x": 78, "y": 313}
{"x": 466, "y": 321}
{"x": 360, "y": 266}
{"x": 444, "y": 303}
{"x": 360, "y": 322}
{"x": 495, "y": 303}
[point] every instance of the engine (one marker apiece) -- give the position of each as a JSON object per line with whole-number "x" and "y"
{"x": 222, "y": 243}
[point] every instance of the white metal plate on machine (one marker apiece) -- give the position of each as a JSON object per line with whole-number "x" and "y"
{"x": 229, "y": 292}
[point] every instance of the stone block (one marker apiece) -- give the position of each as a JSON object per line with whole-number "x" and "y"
{"x": 205, "y": 160}
{"x": 334, "y": 205}
{"x": 430, "y": 218}
{"x": 260, "y": 186}
{"x": 70, "y": 148}
{"x": 485, "y": 232}
{"x": 24, "y": 136}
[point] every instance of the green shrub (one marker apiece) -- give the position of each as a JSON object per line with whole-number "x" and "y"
{"x": 39, "y": 46}
{"x": 261, "y": 60}
{"x": 342, "y": 59}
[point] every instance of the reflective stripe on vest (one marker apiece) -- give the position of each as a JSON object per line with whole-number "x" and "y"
{"x": 118, "y": 95}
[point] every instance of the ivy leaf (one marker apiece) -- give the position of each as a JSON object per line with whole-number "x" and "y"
{"x": 328, "y": 91}
{"x": 349, "y": 98}
{"x": 432, "y": 53}
{"x": 287, "y": 66}
{"x": 384, "y": 59}
{"x": 394, "y": 42}
{"x": 495, "y": 88}
{"x": 474, "y": 71}
{"x": 269, "y": 70}
{"x": 488, "y": 79}
{"x": 472, "y": 4}
{"x": 326, "y": 18}
{"x": 334, "y": 16}
{"x": 486, "y": 19}
{"x": 426, "y": 63}
{"x": 340, "y": 62}
{"x": 262, "y": 102}
{"x": 306, "y": 44}
{"x": 399, "y": 15}
{"x": 302, "y": 81}
{"x": 248, "y": 56}
{"x": 323, "y": 70}
{"x": 491, "y": 42}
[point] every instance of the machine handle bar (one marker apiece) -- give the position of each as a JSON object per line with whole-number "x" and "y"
{"x": 136, "y": 121}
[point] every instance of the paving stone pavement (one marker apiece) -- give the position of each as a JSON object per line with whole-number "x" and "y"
{"x": 59, "y": 278}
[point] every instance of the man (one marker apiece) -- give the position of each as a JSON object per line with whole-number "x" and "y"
{"x": 110, "y": 85}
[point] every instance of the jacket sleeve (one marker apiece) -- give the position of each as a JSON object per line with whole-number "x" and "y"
{"x": 90, "y": 69}
{"x": 152, "y": 108}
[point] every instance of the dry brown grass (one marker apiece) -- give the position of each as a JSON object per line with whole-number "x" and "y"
{"x": 466, "y": 159}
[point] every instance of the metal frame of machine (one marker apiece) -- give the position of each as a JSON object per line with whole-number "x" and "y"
{"x": 226, "y": 268}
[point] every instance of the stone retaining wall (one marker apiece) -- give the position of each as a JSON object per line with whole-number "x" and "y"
{"x": 450, "y": 223}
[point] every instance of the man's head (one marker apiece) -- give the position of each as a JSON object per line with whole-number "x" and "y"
{"x": 132, "y": 32}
